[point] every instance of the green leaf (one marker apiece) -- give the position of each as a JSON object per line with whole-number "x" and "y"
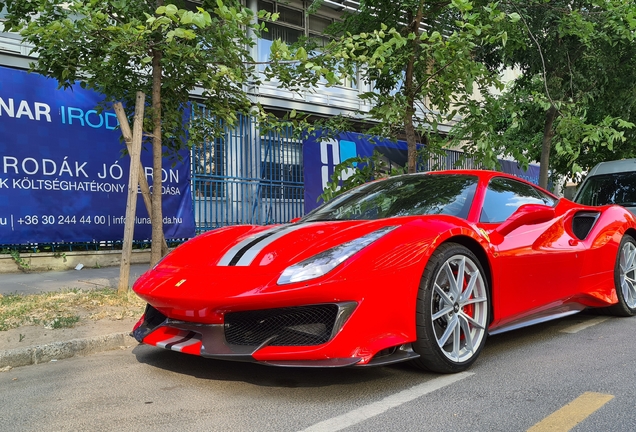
{"x": 199, "y": 20}
{"x": 171, "y": 10}
{"x": 187, "y": 17}
{"x": 301, "y": 54}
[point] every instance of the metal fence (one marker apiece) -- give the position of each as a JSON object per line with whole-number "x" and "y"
{"x": 449, "y": 159}
{"x": 247, "y": 177}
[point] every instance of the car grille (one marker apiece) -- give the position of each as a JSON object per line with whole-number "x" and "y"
{"x": 292, "y": 326}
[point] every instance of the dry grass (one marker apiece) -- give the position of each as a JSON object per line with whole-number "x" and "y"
{"x": 67, "y": 307}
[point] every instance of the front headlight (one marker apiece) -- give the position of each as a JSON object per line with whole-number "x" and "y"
{"x": 326, "y": 261}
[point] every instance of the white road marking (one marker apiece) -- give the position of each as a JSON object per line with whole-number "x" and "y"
{"x": 376, "y": 408}
{"x": 582, "y": 326}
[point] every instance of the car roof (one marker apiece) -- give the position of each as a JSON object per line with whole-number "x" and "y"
{"x": 485, "y": 175}
{"x": 612, "y": 167}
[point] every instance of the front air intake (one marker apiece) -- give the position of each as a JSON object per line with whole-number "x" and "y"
{"x": 291, "y": 326}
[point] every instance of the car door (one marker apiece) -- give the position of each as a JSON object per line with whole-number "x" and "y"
{"x": 535, "y": 268}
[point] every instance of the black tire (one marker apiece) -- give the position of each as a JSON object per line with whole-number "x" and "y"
{"x": 624, "y": 279}
{"x": 448, "y": 314}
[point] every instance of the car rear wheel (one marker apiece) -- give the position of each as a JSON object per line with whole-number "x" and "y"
{"x": 625, "y": 279}
{"x": 452, "y": 310}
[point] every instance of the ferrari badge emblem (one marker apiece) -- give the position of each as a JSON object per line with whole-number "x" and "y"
{"x": 485, "y": 234}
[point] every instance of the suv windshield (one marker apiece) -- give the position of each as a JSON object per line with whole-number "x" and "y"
{"x": 406, "y": 195}
{"x": 617, "y": 188}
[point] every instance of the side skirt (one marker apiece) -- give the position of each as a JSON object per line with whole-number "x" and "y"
{"x": 534, "y": 319}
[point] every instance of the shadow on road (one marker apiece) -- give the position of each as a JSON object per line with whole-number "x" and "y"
{"x": 270, "y": 376}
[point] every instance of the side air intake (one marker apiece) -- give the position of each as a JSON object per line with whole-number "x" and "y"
{"x": 583, "y": 222}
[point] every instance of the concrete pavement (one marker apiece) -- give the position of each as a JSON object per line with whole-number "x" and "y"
{"x": 100, "y": 338}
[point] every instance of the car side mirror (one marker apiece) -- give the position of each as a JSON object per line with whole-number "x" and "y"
{"x": 294, "y": 220}
{"x": 527, "y": 214}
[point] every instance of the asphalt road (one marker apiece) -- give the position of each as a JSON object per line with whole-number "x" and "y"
{"x": 521, "y": 380}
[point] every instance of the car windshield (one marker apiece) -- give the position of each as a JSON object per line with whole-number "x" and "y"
{"x": 408, "y": 195}
{"x": 617, "y": 188}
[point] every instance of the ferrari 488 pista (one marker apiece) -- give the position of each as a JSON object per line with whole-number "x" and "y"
{"x": 418, "y": 267}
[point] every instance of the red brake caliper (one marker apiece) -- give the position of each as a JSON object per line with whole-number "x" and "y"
{"x": 468, "y": 309}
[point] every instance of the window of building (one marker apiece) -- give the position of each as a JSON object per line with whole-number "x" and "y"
{"x": 290, "y": 16}
{"x": 318, "y": 25}
{"x": 292, "y": 24}
{"x": 288, "y": 28}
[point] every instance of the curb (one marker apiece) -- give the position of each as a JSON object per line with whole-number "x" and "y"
{"x": 61, "y": 350}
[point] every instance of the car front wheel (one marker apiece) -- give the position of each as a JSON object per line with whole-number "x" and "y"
{"x": 452, "y": 310}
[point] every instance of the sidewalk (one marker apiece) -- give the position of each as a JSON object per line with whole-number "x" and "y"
{"x": 33, "y": 283}
{"x": 31, "y": 345}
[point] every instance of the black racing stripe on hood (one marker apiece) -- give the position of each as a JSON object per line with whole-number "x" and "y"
{"x": 248, "y": 246}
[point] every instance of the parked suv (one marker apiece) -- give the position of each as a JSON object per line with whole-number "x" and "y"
{"x": 611, "y": 182}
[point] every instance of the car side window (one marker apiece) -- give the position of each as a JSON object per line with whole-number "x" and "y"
{"x": 505, "y": 195}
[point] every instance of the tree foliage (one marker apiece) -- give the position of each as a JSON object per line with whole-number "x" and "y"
{"x": 416, "y": 55}
{"x": 356, "y": 171}
{"x": 572, "y": 105}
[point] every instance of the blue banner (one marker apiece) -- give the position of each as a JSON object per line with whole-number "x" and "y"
{"x": 512, "y": 167}
{"x": 321, "y": 155}
{"x": 62, "y": 174}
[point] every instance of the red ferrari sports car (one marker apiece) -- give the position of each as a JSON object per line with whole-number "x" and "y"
{"x": 418, "y": 267}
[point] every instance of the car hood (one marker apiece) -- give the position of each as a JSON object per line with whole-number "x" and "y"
{"x": 266, "y": 248}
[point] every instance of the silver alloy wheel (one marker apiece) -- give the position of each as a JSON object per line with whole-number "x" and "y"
{"x": 459, "y": 308}
{"x": 628, "y": 273}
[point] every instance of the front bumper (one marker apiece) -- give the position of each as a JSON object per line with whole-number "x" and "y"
{"x": 277, "y": 341}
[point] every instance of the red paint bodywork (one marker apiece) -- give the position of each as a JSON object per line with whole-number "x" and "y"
{"x": 535, "y": 272}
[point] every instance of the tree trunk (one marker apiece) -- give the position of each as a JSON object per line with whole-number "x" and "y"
{"x": 157, "y": 215}
{"x": 131, "y": 204}
{"x": 409, "y": 89}
{"x": 409, "y": 112}
{"x": 411, "y": 142}
{"x": 143, "y": 181}
{"x": 548, "y": 133}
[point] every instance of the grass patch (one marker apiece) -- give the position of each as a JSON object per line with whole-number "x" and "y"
{"x": 65, "y": 308}
{"x": 64, "y": 322}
